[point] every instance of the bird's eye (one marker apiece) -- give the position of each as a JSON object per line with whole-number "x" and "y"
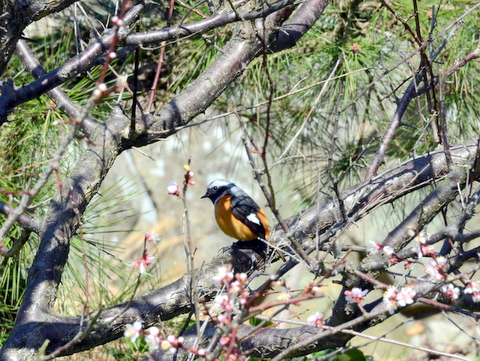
{"x": 215, "y": 188}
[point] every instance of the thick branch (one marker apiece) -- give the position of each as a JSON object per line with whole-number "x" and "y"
{"x": 11, "y": 97}
{"x": 244, "y": 46}
{"x": 16, "y": 16}
{"x": 301, "y": 22}
{"x": 362, "y": 199}
{"x": 202, "y": 26}
{"x": 60, "y": 98}
{"x": 162, "y": 304}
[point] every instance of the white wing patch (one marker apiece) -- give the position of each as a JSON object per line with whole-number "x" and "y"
{"x": 252, "y": 217}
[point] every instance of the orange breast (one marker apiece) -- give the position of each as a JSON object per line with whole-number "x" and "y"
{"x": 230, "y": 225}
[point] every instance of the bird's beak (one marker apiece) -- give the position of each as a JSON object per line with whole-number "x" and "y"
{"x": 205, "y": 196}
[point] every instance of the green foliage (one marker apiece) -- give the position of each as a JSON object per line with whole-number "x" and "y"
{"x": 360, "y": 45}
{"x": 353, "y": 51}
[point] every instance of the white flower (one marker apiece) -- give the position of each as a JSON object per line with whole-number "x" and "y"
{"x": 132, "y": 331}
{"x": 472, "y": 287}
{"x": 316, "y": 320}
{"x": 285, "y": 295}
{"x": 390, "y": 298}
{"x": 152, "y": 339}
{"x": 449, "y": 291}
{"x": 224, "y": 302}
{"x": 356, "y": 295}
{"x": 223, "y": 276}
{"x": 405, "y": 296}
{"x": 436, "y": 268}
{"x": 167, "y": 346}
{"x": 376, "y": 247}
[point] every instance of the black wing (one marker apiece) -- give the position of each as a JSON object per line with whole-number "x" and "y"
{"x": 246, "y": 210}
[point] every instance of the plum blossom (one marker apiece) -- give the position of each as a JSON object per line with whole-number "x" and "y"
{"x": 224, "y": 302}
{"x": 356, "y": 295}
{"x": 224, "y": 276}
{"x": 388, "y": 250}
{"x": 172, "y": 343}
{"x": 284, "y": 295}
{"x": 378, "y": 247}
{"x": 152, "y": 339}
{"x": 316, "y": 320}
{"x": 473, "y": 288}
{"x": 152, "y": 237}
{"x": 390, "y": 298}
{"x": 406, "y": 296}
{"x": 424, "y": 249}
{"x": 173, "y": 189}
{"x": 394, "y": 297}
{"x": 143, "y": 263}
{"x": 436, "y": 268}
{"x": 450, "y": 291}
{"x": 132, "y": 331}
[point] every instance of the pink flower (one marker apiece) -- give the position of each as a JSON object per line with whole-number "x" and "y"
{"x": 152, "y": 237}
{"x": 224, "y": 302}
{"x": 222, "y": 319}
{"x": 378, "y": 247}
{"x": 143, "y": 263}
{"x": 424, "y": 249}
{"x": 173, "y": 189}
{"x": 356, "y": 295}
{"x": 224, "y": 340}
{"x": 388, "y": 250}
{"x": 472, "y": 287}
{"x": 242, "y": 278}
{"x": 316, "y": 320}
{"x": 236, "y": 288}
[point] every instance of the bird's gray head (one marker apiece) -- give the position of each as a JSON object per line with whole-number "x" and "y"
{"x": 218, "y": 188}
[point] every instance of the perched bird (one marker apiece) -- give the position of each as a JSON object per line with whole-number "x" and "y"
{"x": 237, "y": 214}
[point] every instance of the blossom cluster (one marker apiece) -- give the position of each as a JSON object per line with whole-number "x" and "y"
{"x": 451, "y": 292}
{"x": 235, "y": 286}
{"x": 173, "y": 187}
{"x": 393, "y": 297}
{"x": 424, "y": 249}
{"x": 154, "y": 341}
{"x": 437, "y": 267}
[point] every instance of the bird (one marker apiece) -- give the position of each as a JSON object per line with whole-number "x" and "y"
{"x": 236, "y": 213}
